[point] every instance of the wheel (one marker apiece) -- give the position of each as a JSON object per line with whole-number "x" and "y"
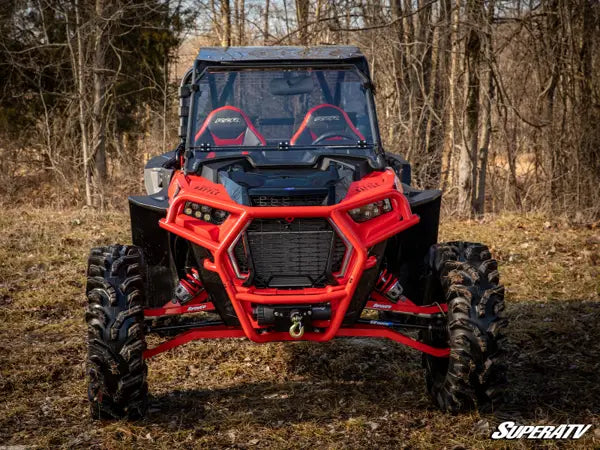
{"x": 115, "y": 366}
{"x": 474, "y": 375}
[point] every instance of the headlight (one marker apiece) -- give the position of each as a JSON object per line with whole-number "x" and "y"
{"x": 370, "y": 211}
{"x": 205, "y": 213}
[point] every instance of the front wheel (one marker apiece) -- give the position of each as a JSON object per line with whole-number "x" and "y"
{"x": 116, "y": 369}
{"x": 473, "y": 376}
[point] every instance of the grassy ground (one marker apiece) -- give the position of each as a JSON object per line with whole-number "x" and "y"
{"x": 347, "y": 393}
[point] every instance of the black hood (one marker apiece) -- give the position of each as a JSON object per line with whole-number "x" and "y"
{"x": 325, "y": 183}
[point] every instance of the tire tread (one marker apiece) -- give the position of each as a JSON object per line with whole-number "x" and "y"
{"x": 116, "y": 369}
{"x": 474, "y": 375}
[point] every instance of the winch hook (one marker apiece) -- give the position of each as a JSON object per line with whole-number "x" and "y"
{"x": 297, "y": 329}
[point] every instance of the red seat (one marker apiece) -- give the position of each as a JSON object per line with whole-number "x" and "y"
{"x": 228, "y": 126}
{"x": 325, "y": 118}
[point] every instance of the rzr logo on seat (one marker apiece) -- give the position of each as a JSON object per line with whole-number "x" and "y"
{"x": 326, "y": 118}
{"x": 228, "y": 120}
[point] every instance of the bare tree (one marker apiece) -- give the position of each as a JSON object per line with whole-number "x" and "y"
{"x": 240, "y": 22}
{"x": 99, "y": 97}
{"x": 302, "y": 20}
{"x": 486, "y": 95}
{"x": 490, "y": 100}
{"x": 467, "y": 166}
{"x": 78, "y": 62}
{"x": 226, "y": 23}
{"x": 266, "y": 22}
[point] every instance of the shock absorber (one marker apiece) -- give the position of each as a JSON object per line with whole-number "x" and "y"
{"x": 189, "y": 287}
{"x": 389, "y": 286}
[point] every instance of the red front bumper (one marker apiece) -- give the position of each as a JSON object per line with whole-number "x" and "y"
{"x": 219, "y": 239}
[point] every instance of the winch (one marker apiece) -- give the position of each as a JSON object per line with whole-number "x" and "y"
{"x": 292, "y": 318}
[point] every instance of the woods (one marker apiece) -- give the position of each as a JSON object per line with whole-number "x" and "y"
{"x": 80, "y": 80}
{"x": 496, "y": 102}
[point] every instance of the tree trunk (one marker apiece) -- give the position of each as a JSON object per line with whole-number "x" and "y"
{"x": 400, "y": 64}
{"x": 486, "y": 116}
{"x": 553, "y": 40}
{"x": 226, "y": 23}
{"x": 240, "y": 22}
{"x": 589, "y": 150}
{"x": 266, "y": 22}
{"x": 98, "y": 109}
{"x": 467, "y": 175}
{"x": 77, "y": 62}
{"x": 433, "y": 105}
{"x": 302, "y": 19}
{"x": 216, "y": 26}
{"x": 165, "y": 81}
{"x": 450, "y": 137}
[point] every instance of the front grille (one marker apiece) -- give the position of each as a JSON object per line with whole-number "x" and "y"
{"x": 288, "y": 200}
{"x": 291, "y": 254}
{"x": 339, "y": 250}
{"x": 240, "y": 254}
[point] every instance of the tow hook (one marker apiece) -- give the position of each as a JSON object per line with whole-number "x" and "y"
{"x": 297, "y": 329}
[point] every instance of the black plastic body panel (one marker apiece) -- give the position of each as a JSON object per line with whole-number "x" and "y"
{"x": 158, "y": 203}
{"x": 214, "y": 286}
{"x": 365, "y": 285}
{"x": 145, "y": 212}
{"x": 407, "y": 253}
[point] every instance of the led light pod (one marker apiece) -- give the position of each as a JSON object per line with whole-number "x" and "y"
{"x": 205, "y": 213}
{"x": 371, "y": 210}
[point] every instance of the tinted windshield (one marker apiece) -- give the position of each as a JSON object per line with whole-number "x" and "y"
{"x": 267, "y": 107}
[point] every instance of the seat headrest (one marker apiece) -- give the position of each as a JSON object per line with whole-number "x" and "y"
{"x": 321, "y": 119}
{"x": 229, "y": 125}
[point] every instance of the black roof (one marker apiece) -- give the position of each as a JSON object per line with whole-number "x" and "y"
{"x": 278, "y": 53}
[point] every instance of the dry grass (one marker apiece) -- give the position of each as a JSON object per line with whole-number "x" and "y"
{"x": 347, "y": 393}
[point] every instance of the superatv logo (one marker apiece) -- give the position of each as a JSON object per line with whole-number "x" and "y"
{"x": 228, "y": 120}
{"x": 326, "y": 118}
{"x": 510, "y": 430}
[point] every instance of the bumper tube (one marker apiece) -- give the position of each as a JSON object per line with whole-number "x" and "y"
{"x": 359, "y": 238}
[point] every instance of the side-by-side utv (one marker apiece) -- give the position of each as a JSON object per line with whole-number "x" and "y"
{"x": 280, "y": 218}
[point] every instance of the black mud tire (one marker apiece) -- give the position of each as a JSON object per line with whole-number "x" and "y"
{"x": 474, "y": 374}
{"x": 115, "y": 367}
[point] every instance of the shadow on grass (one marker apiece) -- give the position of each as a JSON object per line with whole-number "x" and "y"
{"x": 553, "y": 362}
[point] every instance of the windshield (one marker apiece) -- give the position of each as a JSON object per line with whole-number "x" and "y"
{"x": 274, "y": 107}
